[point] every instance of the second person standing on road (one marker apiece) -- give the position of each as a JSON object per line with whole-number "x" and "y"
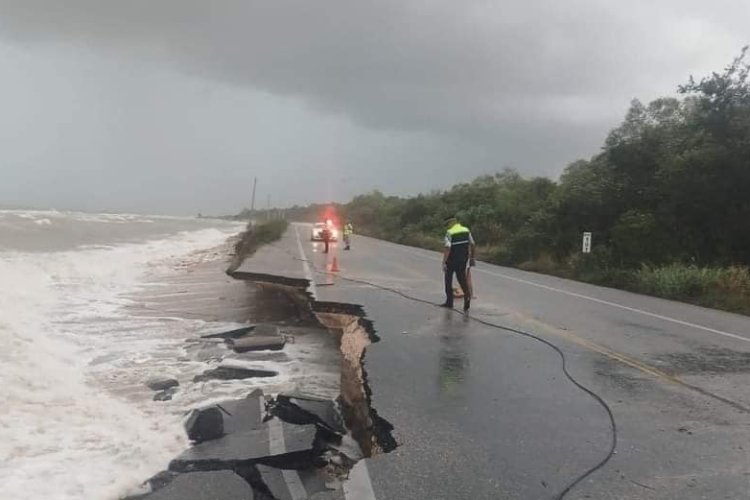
{"x": 457, "y": 256}
{"x": 348, "y": 231}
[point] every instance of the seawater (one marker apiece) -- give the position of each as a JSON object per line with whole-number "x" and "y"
{"x": 71, "y": 427}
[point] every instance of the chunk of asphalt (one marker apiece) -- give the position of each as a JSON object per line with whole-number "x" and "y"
{"x": 311, "y": 481}
{"x": 214, "y": 485}
{"x": 233, "y": 373}
{"x": 161, "y": 479}
{"x": 266, "y": 330}
{"x": 205, "y": 424}
{"x": 231, "y": 334}
{"x": 243, "y": 414}
{"x": 161, "y": 383}
{"x": 250, "y": 446}
{"x": 299, "y": 409}
{"x": 257, "y": 343}
{"x": 275, "y": 482}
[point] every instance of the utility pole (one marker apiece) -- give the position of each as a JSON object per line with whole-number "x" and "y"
{"x": 252, "y": 203}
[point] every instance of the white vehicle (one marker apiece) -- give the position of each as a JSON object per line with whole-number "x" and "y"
{"x": 317, "y": 231}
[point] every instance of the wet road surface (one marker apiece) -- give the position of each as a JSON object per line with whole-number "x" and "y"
{"x": 481, "y": 412}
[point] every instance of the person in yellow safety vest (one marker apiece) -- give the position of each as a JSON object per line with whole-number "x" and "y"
{"x": 348, "y": 231}
{"x": 458, "y": 254}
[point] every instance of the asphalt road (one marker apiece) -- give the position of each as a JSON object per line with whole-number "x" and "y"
{"x": 481, "y": 412}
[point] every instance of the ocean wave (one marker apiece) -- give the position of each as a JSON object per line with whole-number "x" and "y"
{"x": 65, "y": 433}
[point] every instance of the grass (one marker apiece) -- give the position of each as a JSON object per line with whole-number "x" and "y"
{"x": 726, "y": 288}
{"x": 255, "y": 237}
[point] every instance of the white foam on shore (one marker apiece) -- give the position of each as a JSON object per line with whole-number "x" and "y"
{"x": 65, "y": 433}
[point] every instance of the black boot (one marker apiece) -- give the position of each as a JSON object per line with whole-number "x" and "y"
{"x": 467, "y": 303}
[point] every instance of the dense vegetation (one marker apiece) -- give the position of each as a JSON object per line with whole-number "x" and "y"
{"x": 667, "y": 200}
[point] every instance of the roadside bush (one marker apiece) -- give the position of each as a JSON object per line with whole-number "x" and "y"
{"x": 271, "y": 231}
{"x": 547, "y": 265}
{"x": 255, "y": 237}
{"x": 735, "y": 280}
{"x": 731, "y": 292}
{"x": 421, "y": 240}
{"x": 495, "y": 254}
{"x": 677, "y": 281}
{"x": 588, "y": 266}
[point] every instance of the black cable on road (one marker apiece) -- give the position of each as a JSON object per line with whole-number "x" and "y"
{"x": 590, "y": 392}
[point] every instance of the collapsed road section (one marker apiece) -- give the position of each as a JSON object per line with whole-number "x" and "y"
{"x": 285, "y": 445}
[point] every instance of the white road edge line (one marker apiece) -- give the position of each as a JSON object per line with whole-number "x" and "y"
{"x": 277, "y": 446}
{"x": 358, "y": 486}
{"x": 306, "y": 266}
{"x": 592, "y": 299}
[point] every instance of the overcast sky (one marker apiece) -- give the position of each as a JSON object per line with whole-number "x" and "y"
{"x": 173, "y": 106}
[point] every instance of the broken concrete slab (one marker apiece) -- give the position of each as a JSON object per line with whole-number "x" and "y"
{"x": 275, "y": 482}
{"x": 161, "y": 479}
{"x": 205, "y": 424}
{"x": 306, "y": 483}
{"x": 161, "y": 383}
{"x": 243, "y": 414}
{"x": 250, "y": 446}
{"x": 231, "y": 334}
{"x": 300, "y": 409}
{"x": 214, "y": 485}
{"x": 257, "y": 343}
{"x": 261, "y": 278}
{"x": 233, "y": 373}
{"x": 266, "y": 330}
{"x": 348, "y": 449}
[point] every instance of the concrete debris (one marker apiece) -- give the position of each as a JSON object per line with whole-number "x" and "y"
{"x": 298, "y": 409}
{"x": 275, "y": 482}
{"x": 232, "y": 334}
{"x": 205, "y": 424}
{"x": 243, "y": 414}
{"x": 292, "y": 446}
{"x": 266, "y": 330}
{"x": 160, "y": 480}
{"x": 264, "y": 343}
{"x": 348, "y": 448}
{"x": 249, "y": 447}
{"x": 311, "y": 482}
{"x": 161, "y": 384}
{"x": 233, "y": 373}
{"x": 215, "y": 485}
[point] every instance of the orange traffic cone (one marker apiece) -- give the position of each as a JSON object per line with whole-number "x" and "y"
{"x": 335, "y": 265}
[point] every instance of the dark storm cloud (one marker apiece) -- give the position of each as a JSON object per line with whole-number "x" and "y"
{"x": 530, "y": 84}
{"x": 427, "y": 65}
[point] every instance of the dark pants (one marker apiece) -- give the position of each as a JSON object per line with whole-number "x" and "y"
{"x": 327, "y": 243}
{"x": 457, "y": 266}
